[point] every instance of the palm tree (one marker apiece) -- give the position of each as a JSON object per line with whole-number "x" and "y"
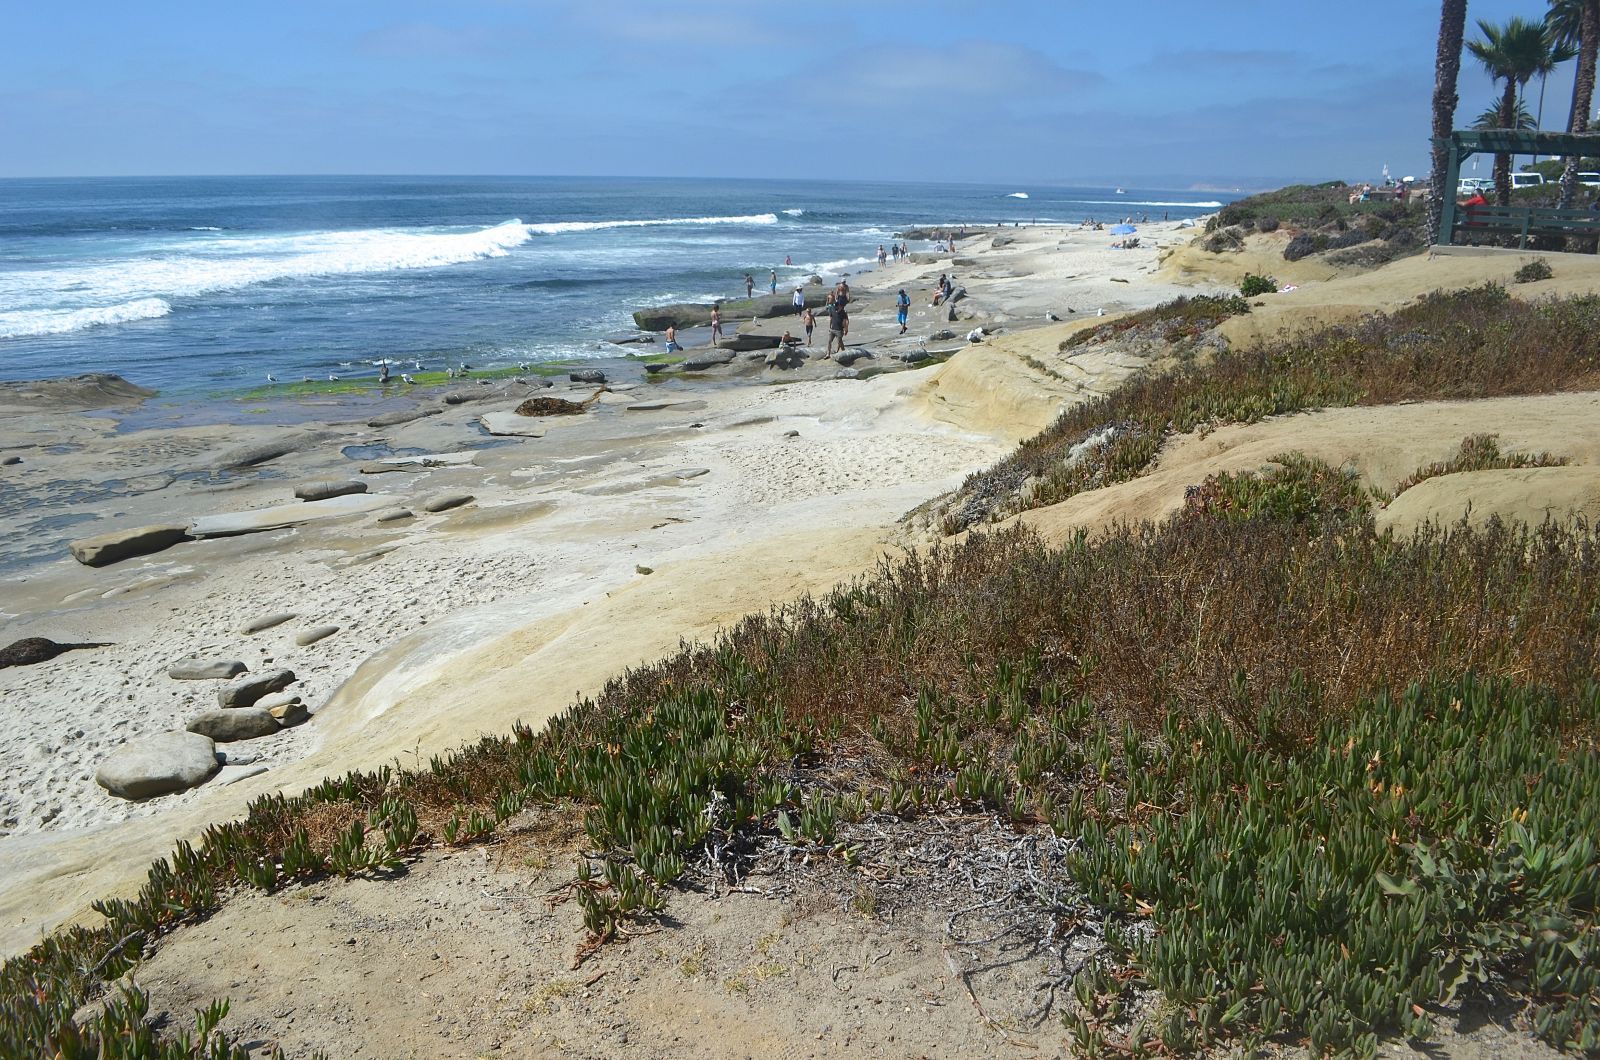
{"x": 1446, "y": 70}
{"x": 1513, "y": 53}
{"x": 1576, "y": 22}
{"x": 1490, "y": 118}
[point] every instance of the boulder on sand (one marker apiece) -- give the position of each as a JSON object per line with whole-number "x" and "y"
{"x": 443, "y": 502}
{"x": 157, "y": 765}
{"x": 263, "y": 622}
{"x": 193, "y": 669}
{"x": 742, "y": 343}
{"x": 30, "y": 651}
{"x": 314, "y": 634}
{"x": 226, "y": 726}
{"x": 321, "y": 491}
{"x": 105, "y": 549}
{"x": 682, "y": 315}
{"x": 588, "y": 375}
{"x": 845, "y": 358}
{"x": 245, "y": 691}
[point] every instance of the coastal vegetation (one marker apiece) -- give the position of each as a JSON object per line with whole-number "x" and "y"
{"x": 1323, "y": 218}
{"x": 1466, "y": 344}
{"x": 1322, "y": 784}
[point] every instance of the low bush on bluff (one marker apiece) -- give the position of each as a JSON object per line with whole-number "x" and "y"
{"x": 1468, "y": 344}
{"x": 1252, "y": 285}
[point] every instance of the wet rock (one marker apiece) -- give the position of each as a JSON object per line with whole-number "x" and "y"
{"x": 314, "y": 634}
{"x": 632, "y": 338}
{"x": 399, "y": 416}
{"x": 158, "y": 765}
{"x": 226, "y": 726}
{"x": 741, "y": 343}
{"x": 30, "y": 651}
{"x": 443, "y": 502}
{"x": 245, "y": 691}
{"x": 845, "y": 358}
{"x": 261, "y": 622}
{"x": 104, "y": 549}
{"x": 11, "y": 461}
{"x": 683, "y": 315}
{"x": 195, "y": 669}
{"x": 256, "y": 453}
{"x": 321, "y": 491}
{"x": 588, "y": 375}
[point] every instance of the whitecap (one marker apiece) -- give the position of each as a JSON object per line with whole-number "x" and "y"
{"x": 30, "y": 322}
{"x": 794, "y": 212}
{"x": 559, "y": 227}
{"x": 1018, "y": 195}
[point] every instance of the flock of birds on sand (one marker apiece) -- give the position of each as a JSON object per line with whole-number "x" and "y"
{"x": 461, "y": 371}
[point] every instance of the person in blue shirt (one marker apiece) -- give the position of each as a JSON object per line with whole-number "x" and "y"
{"x": 903, "y": 304}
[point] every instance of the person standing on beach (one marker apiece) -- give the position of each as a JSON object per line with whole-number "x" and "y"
{"x": 749, "y": 286}
{"x": 903, "y": 306}
{"x": 672, "y": 339}
{"x": 883, "y": 255}
{"x": 716, "y": 324}
{"x": 809, "y": 319}
{"x": 838, "y": 327}
{"x": 799, "y": 300}
{"x": 774, "y": 287}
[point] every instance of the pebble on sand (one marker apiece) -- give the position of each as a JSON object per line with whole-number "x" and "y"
{"x": 314, "y": 634}
{"x": 256, "y": 625}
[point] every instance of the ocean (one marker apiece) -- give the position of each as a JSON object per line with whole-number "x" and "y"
{"x": 203, "y": 286}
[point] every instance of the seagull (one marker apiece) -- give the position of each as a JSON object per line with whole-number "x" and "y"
{"x": 449, "y": 373}
{"x": 346, "y": 364}
{"x": 271, "y": 378}
{"x": 416, "y": 365}
{"x": 332, "y": 378}
{"x": 1051, "y": 317}
{"x": 522, "y": 366}
{"x": 406, "y": 378}
{"x": 465, "y": 368}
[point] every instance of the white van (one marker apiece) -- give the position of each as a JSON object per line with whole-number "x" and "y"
{"x": 1589, "y": 180}
{"x": 1526, "y": 180}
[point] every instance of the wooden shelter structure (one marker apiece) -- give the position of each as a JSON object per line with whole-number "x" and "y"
{"x": 1521, "y": 221}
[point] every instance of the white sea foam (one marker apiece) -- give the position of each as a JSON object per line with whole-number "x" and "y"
{"x": 28, "y": 322}
{"x": 204, "y": 228}
{"x": 825, "y": 267}
{"x": 51, "y": 301}
{"x": 1018, "y": 195}
{"x": 559, "y": 227}
{"x": 794, "y": 213}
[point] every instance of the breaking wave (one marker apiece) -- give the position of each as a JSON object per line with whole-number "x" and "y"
{"x": 28, "y": 322}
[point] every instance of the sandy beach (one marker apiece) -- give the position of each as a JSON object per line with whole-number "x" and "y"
{"x": 735, "y": 488}
{"x": 677, "y": 503}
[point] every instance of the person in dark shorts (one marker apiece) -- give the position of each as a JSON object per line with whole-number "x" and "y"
{"x": 749, "y": 285}
{"x": 838, "y": 326}
{"x": 809, "y": 319}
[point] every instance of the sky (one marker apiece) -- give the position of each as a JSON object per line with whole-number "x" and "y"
{"x": 1154, "y": 93}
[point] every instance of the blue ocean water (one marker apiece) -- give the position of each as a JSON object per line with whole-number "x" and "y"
{"x": 203, "y": 285}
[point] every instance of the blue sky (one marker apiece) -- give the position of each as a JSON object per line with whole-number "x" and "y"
{"x": 1152, "y": 92}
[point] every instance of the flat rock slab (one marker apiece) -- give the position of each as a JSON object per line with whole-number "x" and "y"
{"x": 256, "y": 625}
{"x": 115, "y": 545}
{"x": 659, "y": 406}
{"x": 314, "y": 634}
{"x": 245, "y": 691}
{"x": 282, "y": 516}
{"x": 276, "y": 699}
{"x": 226, "y": 726}
{"x": 193, "y": 669}
{"x": 321, "y": 491}
{"x": 510, "y": 425}
{"x": 233, "y": 774}
{"x": 683, "y": 474}
{"x": 443, "y": 502}
{"x": 158, "y": 765}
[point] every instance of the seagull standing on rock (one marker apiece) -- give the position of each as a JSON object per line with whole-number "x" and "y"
{"x": 271, "y": 378}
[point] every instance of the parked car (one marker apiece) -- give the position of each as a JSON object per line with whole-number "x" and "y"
{"x": 1526, "y": 180}
{"x": 1589, "y": 180}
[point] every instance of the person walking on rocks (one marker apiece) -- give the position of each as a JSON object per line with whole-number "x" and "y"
{"x": 838, "y": 326}
{"x": 809, "y": 320}
{"x": 799, "y": 300}
{"x": 672, "y": 339}
{"x": 774, "y": 287}
{"x": 902, "y": 304}
{"x": 883, "y": 255}
{"x": 716, "y": 324}
{"x": 749, "y": 286}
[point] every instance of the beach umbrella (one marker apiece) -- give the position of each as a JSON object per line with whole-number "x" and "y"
{"x": 1123, "y": 230}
